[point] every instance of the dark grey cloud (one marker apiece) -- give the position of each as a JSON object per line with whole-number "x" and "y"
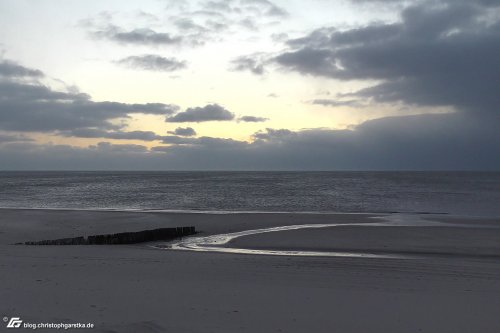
{"x": 492, "y": 3}
{"x": 271, "y": 134}
{"x": 14, "y": 138}
{"x": 11, "y": 69}
{"x": 143, "y": 36}
{"x": 252, "y": 119}
{"x": 210, "y": 112}
{"x": 108, "y": 147}
{"x": 423, "y": 142}
{"x": 440, "y": 54}
{"x": 337, "y": 103}
{"x": 103, "y": 156}
{"x": 204, "y": 141}
{"x": 178, "y": 143}
{"x": 152, "y": 62}
{"x": 33, "y": 107}
{"x": 435, "y": 142}
{"x": 183, "y": 131}
{"x": 13, "y": 91}
{"x": 254, "y": 63}
{"x": 279, "y": 37}
{"x": 175, "y": 140}
{"x": 117, "y": 135}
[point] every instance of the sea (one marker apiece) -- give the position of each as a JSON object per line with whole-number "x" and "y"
{"x": 457, "y": 193}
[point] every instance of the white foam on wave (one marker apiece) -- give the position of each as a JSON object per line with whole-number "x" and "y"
{"x": 188, "y": 211}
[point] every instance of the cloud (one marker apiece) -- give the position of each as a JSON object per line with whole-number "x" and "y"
{"x": 265, "y": 7}
{"x": 187, "y": 24}
{"x": 254, "y": 63}
{"x": 210, "y": 112}
{"x": 428, "y": 142}
{"x": 103, "y": 156}
{"x": 117, "y": 135}
{"x": 271, "y": 134}
{"x": 252, "y": 119}
{"x": 422, "y": 142}
{"x": 279, "y": 37}
{"x": 143, "y": 36}
{"x": 339, "y": 103}
{"x": 492, "y": 3}
{"x": 11, "y": 69}
{"x": 249, "y": 8}
{"x": 214, "y": 14}
{"x": 439, "y": 54}
{"x": 386, "y": 3}
{"x": 204, "y": 141}
{"x": 152, "y": 62}
{"x": 223, "y": 6}
{"x": 118, "y": 148}
{"x": 249, "y": 23}
{"x": 190, "y": 24}
{"x": 175, "y": 140}
{"x": 183, "y": 131}
{"x": 14, "y": 138}
{"x": 30, "y": 106}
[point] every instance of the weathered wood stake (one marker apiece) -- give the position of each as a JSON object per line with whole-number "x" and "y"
{"x": 122, "y": 238}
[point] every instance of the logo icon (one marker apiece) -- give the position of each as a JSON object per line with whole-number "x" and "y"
{"x": 15, "y": 322}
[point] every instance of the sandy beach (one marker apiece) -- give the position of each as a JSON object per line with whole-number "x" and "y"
{"x": 453, "y": 285}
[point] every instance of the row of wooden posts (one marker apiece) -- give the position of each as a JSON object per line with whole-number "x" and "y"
{"x": 122, "y": 238}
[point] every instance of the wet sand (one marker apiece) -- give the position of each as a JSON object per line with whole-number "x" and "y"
{"x": 136, "y": 288}
{"x": 444, "y": 240}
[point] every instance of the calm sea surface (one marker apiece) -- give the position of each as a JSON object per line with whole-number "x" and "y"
{"x": 467, "y": 193}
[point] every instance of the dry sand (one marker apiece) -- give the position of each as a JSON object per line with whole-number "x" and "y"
{"x": 135, "y": 288}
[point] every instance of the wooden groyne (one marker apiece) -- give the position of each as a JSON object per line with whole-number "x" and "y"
{"x": 122, "y": 238}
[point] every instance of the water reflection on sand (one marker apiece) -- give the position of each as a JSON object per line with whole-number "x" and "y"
{"x": 219, "y": 243}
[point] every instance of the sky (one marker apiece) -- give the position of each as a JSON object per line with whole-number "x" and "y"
{"x": 249, "y": 85}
